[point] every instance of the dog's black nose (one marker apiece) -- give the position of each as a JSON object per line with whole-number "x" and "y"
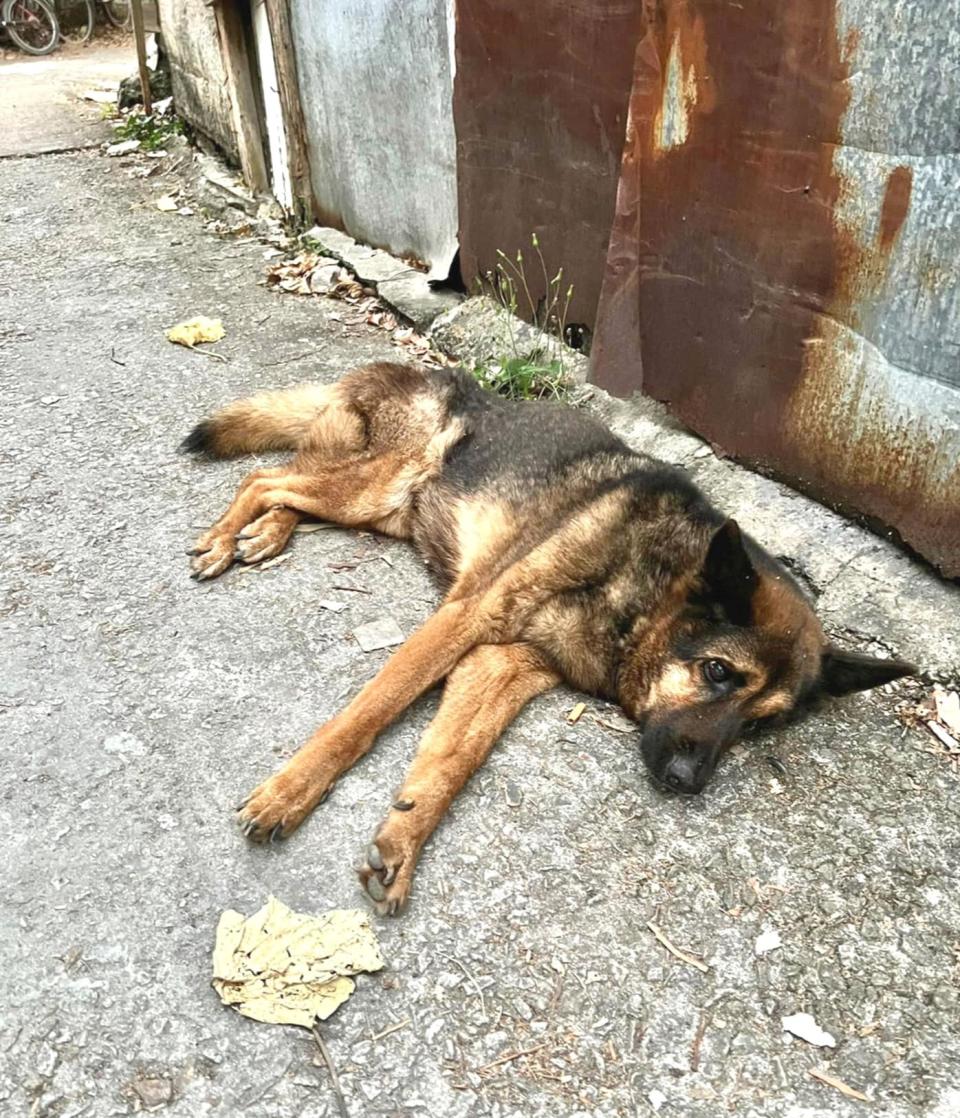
{"x": 681, "y": 773}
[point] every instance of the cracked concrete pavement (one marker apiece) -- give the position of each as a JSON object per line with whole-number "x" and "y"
{"x": 137, "y": 708}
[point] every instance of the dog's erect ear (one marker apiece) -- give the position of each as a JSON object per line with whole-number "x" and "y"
{"x": 728, "y": 575}
{"x": 843, "y": 672}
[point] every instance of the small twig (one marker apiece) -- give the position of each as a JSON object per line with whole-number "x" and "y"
{"x": 392, "y": 1029}
{"x": 334, "y": 1078}
{"x": 697, "y": 1041}
{"x": 355, "y": 589}
{"x": 511, "y": 1056}
{"x": 287, "y": 360}
{"x": 683, "y": 956}
{"x": 838, "y": 1084}
{"x": 476, "y": 984}
{"x": 207, "y": 353}
{"x": 116, "y": 360}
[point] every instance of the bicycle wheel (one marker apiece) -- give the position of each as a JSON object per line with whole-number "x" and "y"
{"x": 32, "y": 25}
{"x": 77, "y": 18}
{"x": 118, "y": 12}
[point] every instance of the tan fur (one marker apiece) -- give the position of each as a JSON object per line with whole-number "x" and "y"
{"x": 593, "y": 580}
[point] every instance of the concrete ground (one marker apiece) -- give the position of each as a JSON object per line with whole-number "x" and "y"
{"x": 137, "y": 707}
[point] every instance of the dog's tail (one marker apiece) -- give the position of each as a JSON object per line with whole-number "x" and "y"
{"x": 268, "y": 421}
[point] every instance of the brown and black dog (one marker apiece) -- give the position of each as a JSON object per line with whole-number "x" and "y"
{"x": 564, "y": 555}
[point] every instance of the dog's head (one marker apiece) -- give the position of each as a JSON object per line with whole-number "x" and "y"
{"x": 746, "y": 650}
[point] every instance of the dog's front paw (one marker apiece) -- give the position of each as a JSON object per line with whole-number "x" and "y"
{"x": 278, "y": 807}
{"x": 387, "y": 872}
{"x": 267, "y": 536}
{"x": 211, "y": 556}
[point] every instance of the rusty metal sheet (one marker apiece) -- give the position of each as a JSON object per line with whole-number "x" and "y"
{"x": 785, "y": 256}
{"x": 375, "y": 86}
{"x": 540, "y": 99}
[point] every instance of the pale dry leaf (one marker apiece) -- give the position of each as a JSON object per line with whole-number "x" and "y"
{"x": 307, "y": 529}
{"x": 291, "y": 968}
{"x": 948, "y": 709}
{"x": 196, "y": 331}
{"x": 166, "y": 203}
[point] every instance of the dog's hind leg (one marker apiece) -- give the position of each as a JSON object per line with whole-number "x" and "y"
{"x": 483, "y": 695}
{"x": 282, "y": 802}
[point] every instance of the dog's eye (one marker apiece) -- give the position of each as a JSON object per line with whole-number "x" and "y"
{"x": 716, "y": 671}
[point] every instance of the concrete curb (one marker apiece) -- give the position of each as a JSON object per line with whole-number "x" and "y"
{"x": 870, "y": 594}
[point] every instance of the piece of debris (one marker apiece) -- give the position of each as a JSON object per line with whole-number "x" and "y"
{"x": 196, "y": 331}
{"x": 384, "y": 633}
{"x": 49, "y": 401}
{"x": 513, "y": 794}
{"x": 166, "y": 203}
{"x": 948, "y": 741}
{"x": 124, "y": 147}
{"x": 703, "y": 452}
{"x": 100, "y": 96}
{"x": 948, "y": 709}
{"x": 767, "y": 942}
{"x": 838, "y": 1084}
{"x": 802, "y": 1025}
{"x": 576, "y": 714}
{"x": 185, "y": 211}
{"x": 656, "y": 1099}
{"x": 334, "y": 607}
{"x": 291, "y": 968}
{"x": 676, "y": 952}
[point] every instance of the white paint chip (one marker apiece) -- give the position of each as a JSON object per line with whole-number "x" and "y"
{"x": 767, "y": 942}
{"x": 802, "y": 1025}
{"x": 384, "y": 633}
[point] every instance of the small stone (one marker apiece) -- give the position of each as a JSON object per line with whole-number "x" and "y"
{"x": 703, "y": 452}
{"x": 334, "y": 607}
{"x": 802, "y": 1025}
{"x": 656, "y": 1099}
{"x": 153, "y": 1091}
{"x": 513, "y": 794}
{"x": 384, "y": 633}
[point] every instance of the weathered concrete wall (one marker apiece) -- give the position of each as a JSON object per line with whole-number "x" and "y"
{"x": 199, "y": 81}
{"x": 376, "y": 87}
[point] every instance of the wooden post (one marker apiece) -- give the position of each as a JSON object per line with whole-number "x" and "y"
{"x": 278, "y": 19}
{"x": 243, "y": 99}
{"x": 136, "y": 8}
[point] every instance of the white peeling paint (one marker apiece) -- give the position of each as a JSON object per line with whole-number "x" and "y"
{"x": 672, "y": 126}
{"x": 273, "y": 109}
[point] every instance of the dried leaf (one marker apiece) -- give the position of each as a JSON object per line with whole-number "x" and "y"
{"x": 948, "y": 709}
{"x": 166, "y": 203}
{"x": 290, "y": 968}
{"x": 195, "y": 331}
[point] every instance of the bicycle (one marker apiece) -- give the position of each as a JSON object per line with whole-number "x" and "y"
{"x": 77, "y": 22}
{"x": 31, "y": 24}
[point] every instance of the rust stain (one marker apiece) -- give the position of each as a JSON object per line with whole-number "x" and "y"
{"x": 896, "y": 205}
{"x": 729, "y": 265}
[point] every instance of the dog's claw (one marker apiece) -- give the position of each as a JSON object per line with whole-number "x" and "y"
{"x": 276, "y": 833}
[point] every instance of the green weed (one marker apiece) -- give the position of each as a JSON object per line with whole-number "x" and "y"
{"x": 151, "y": 130}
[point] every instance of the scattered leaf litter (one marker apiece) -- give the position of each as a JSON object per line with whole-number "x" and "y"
{"x": 802, "y": 1025}
{"x": 291, "y": 968}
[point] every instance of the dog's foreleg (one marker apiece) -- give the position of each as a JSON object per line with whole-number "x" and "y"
{"x": 483, "y": 695}
{"x": 282, "y": 802}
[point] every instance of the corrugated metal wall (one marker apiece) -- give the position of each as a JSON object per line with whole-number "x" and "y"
{"x": 785, "y": 262}
{"x": 376, "y": 84}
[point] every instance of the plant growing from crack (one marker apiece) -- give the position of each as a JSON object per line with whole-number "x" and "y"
{"x": 524, "y": 373}
{"x": 151, "y": 129}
